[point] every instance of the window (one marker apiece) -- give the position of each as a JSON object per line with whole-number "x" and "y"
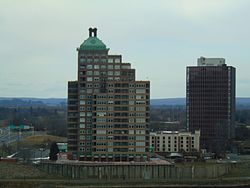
{"x": 103, "y": 66}
{"x": 82, "y": 125}
{"x": 89, "y": 73}
{"x": 140, "y": 90}
{"x": 117, "y": 73}
{"x": 125, "y": 66}
{"x": 117, "y": 60}
{"x": 110, "y": 67}
{"x": 89, "y": 79}
{"x": 117, "y": 66}
{"x": 89, "y": 85}
{"x": 96, "y": 73}
{"x": 82, "y": 60}
{"x": 110, "y": 60}
{"x": 96, "y": 78}
{"x": 82, "y": 120}
{"x": 140, "y": 97}
{"x": 131, "y": 102}
{"x": 82, "y": 102}
{"x": 82, "y": 96}
{"x": 82, "y": 137}
{"x": 96, "y": 66}
{"x": 110, "y": 73}
{"x": 82, "y": 114}
{"x": 140, "y": 120}
{"x": 110, "y": 78}
{"x": 89, "y": 66}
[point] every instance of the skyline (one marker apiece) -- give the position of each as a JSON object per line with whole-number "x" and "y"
{"x": 39, "y": 41}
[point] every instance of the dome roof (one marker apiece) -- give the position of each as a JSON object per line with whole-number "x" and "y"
{"x": 93, "y": 43}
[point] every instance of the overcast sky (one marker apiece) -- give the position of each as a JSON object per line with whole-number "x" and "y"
{"x": 38, "y": 41}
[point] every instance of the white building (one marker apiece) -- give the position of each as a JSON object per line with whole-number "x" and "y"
{"x": 174, "y": 141}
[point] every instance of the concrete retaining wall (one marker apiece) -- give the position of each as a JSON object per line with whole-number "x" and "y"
{"x": 136, "y": 171}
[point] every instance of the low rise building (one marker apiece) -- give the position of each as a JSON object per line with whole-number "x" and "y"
{"x": 174, "y": 141}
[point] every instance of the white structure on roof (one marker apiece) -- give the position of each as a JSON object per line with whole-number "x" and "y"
{"x": 203, "y": 61}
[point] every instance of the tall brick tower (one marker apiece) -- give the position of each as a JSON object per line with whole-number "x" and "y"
{"x": 108, "y": 110}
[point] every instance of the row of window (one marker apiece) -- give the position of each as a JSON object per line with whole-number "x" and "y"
{"x": 106, "y": 96}
{"x": 174, "y": 141}
{"x": 110, "y": 78}
{"x": 169, "y": 146}
{"x": 113, "y": 108}
{"x": 89, "y": 66}
{"x": 83, "y": 102}
{"x": 102, "y": 60}
{"x": 120, "y": 137}
{"x": 103, "y": 126}
{"x": 169, "y": 138}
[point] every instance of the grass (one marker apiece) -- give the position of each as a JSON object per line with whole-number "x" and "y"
{"x": 24, "y": 175}
{"x": 243, "y": 170}
{"x": 20, "y": 171}
{"x": 43, "y": 138}
{"x": 40, "y": 140}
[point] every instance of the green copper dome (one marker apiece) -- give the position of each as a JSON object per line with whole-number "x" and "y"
{"x": 93, "y": 43}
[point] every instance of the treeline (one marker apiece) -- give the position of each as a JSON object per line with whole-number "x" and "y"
{"x": 174, "y": 118}
{"x": 178, "y": 113}
{"x": 167, "y": 117}
{"x": 53, "y": 118}
{"x": 242, "y": 118}
{"x": 168, "y": 113}
{"x": 44, "y": 118}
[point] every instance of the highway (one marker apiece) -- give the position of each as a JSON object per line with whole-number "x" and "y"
{"x": 7, "y": 136}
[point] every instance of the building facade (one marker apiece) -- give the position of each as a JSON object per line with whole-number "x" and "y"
{"x": 108, "y": 110}
{"x": 210, "y": 94}
{"x": 174, "y": 141}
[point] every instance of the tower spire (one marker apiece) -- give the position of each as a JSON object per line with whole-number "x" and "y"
{"x": 94, "y": 31}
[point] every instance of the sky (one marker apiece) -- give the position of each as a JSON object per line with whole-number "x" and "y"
{"x": 38, "y": 41}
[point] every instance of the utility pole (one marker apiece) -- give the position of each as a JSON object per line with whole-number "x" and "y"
{"x": 33, "y": 131}
{"x": 8, "y": 137}
{"x": 2, "y": 148}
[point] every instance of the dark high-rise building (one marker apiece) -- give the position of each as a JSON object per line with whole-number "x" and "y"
{"x": 108, "y": 110}
{"x": 210, "y": 90}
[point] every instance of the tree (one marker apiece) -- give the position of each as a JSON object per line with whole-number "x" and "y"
{"x": 53, "y": 151}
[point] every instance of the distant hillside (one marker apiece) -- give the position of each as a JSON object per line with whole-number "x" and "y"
{"x": 241, "y": 103}
{"x": 27, "y": 102}
{"x": 48, "y": 101}
{"x": 168, "y": 102}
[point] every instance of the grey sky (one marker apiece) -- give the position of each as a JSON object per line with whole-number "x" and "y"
{"x": 38, "y": 40}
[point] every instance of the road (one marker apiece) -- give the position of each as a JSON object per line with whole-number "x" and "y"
{"x": 7, "y": 136}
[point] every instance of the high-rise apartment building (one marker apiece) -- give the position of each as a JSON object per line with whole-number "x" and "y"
{"x": 210, "y": 94}
{"x": 108, "y": 110}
